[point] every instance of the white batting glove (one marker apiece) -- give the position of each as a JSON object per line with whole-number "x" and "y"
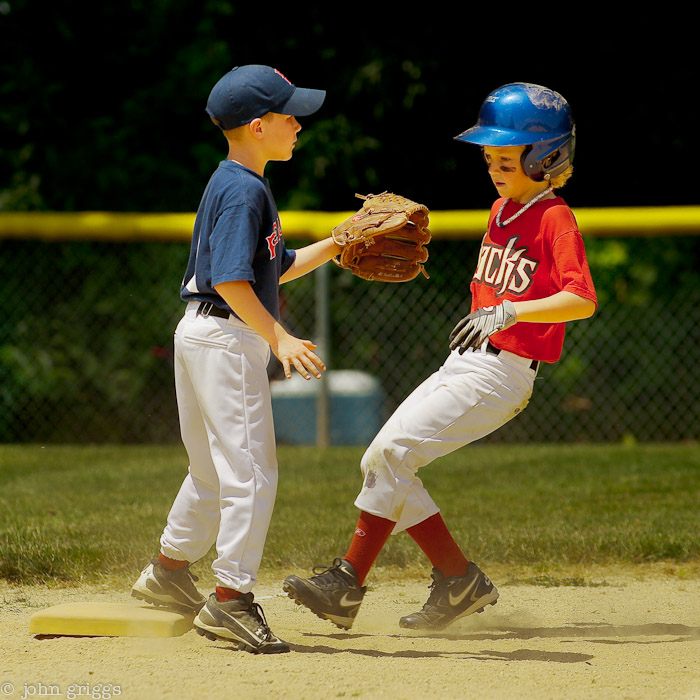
{"x": 473, "y": 330}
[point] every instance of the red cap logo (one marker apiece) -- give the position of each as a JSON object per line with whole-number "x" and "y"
{"x": 282, "y": 76}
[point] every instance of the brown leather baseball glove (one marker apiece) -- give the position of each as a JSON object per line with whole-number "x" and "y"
{"x": 385, "y": 240}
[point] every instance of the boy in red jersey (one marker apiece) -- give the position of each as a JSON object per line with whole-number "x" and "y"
{"x": 531, "y": 278}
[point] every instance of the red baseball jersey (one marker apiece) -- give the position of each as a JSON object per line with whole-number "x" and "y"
{"x": 536, "y": 255}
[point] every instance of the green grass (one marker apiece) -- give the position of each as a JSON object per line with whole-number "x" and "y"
{"x": 72, "y": 514}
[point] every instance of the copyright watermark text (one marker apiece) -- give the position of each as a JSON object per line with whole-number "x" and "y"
{"x": 71, "y": 691}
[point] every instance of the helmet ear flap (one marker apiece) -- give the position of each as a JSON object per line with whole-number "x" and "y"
{"x": 547, "y": 159}
{"x": 537, "y": 169}
{"x": 529, "y": 164}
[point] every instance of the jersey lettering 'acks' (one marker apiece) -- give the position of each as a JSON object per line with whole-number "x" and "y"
{"x": 237, "y": 237}
{"x": 536, "y": 255}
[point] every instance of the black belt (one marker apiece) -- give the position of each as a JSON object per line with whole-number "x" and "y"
{"x": 534, "y": 365}
{"x": 206, "y": 308}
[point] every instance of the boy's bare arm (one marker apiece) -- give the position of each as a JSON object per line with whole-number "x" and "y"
{"x": 289, "y": 350}
{"x": 558, "y": 308}
{"x": 310, "y": 257}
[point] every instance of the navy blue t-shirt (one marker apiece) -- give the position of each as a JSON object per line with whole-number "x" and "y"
{"x": 237, "y": 236}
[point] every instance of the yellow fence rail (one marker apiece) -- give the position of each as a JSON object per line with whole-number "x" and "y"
{"x": 610, "y": 222}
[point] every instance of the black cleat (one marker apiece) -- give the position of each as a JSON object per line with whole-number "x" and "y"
{"x": 452, "y": 598}
{"x": 332, "y": 593}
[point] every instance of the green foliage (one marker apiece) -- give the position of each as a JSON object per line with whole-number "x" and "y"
{"x": 88, "y": 513}
{"x": 88, "y": 352}
{"x": 637, "y": 349}
{"x": 86, "y": 340}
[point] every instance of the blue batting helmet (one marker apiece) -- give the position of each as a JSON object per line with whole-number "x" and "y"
{"x": 525, "y": 114}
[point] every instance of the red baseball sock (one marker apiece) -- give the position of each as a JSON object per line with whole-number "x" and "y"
{"x": 433, "y": 537}
{"x": 171, "y": 564}
{"x": 224, "y": 594}
{"x": 370, "y": 536}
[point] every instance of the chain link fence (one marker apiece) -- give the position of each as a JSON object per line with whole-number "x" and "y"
{"x": 86, "y": 344}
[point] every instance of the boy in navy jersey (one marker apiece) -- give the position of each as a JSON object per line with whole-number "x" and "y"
{"x": 231, "y": 324}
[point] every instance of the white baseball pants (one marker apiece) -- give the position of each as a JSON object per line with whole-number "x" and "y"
{"x": 470, "y": 396}
{"x": 227, "y": 497}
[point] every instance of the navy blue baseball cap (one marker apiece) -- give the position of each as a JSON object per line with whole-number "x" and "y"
{"x": 248, "y": 92}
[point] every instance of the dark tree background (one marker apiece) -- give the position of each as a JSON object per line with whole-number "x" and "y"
{"x": 102, "y": 104}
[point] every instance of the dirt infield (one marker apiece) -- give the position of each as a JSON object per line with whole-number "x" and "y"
{"x": 631, "y": 633}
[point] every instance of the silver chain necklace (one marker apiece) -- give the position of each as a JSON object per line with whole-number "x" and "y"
{"x": 501, "y": 224}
